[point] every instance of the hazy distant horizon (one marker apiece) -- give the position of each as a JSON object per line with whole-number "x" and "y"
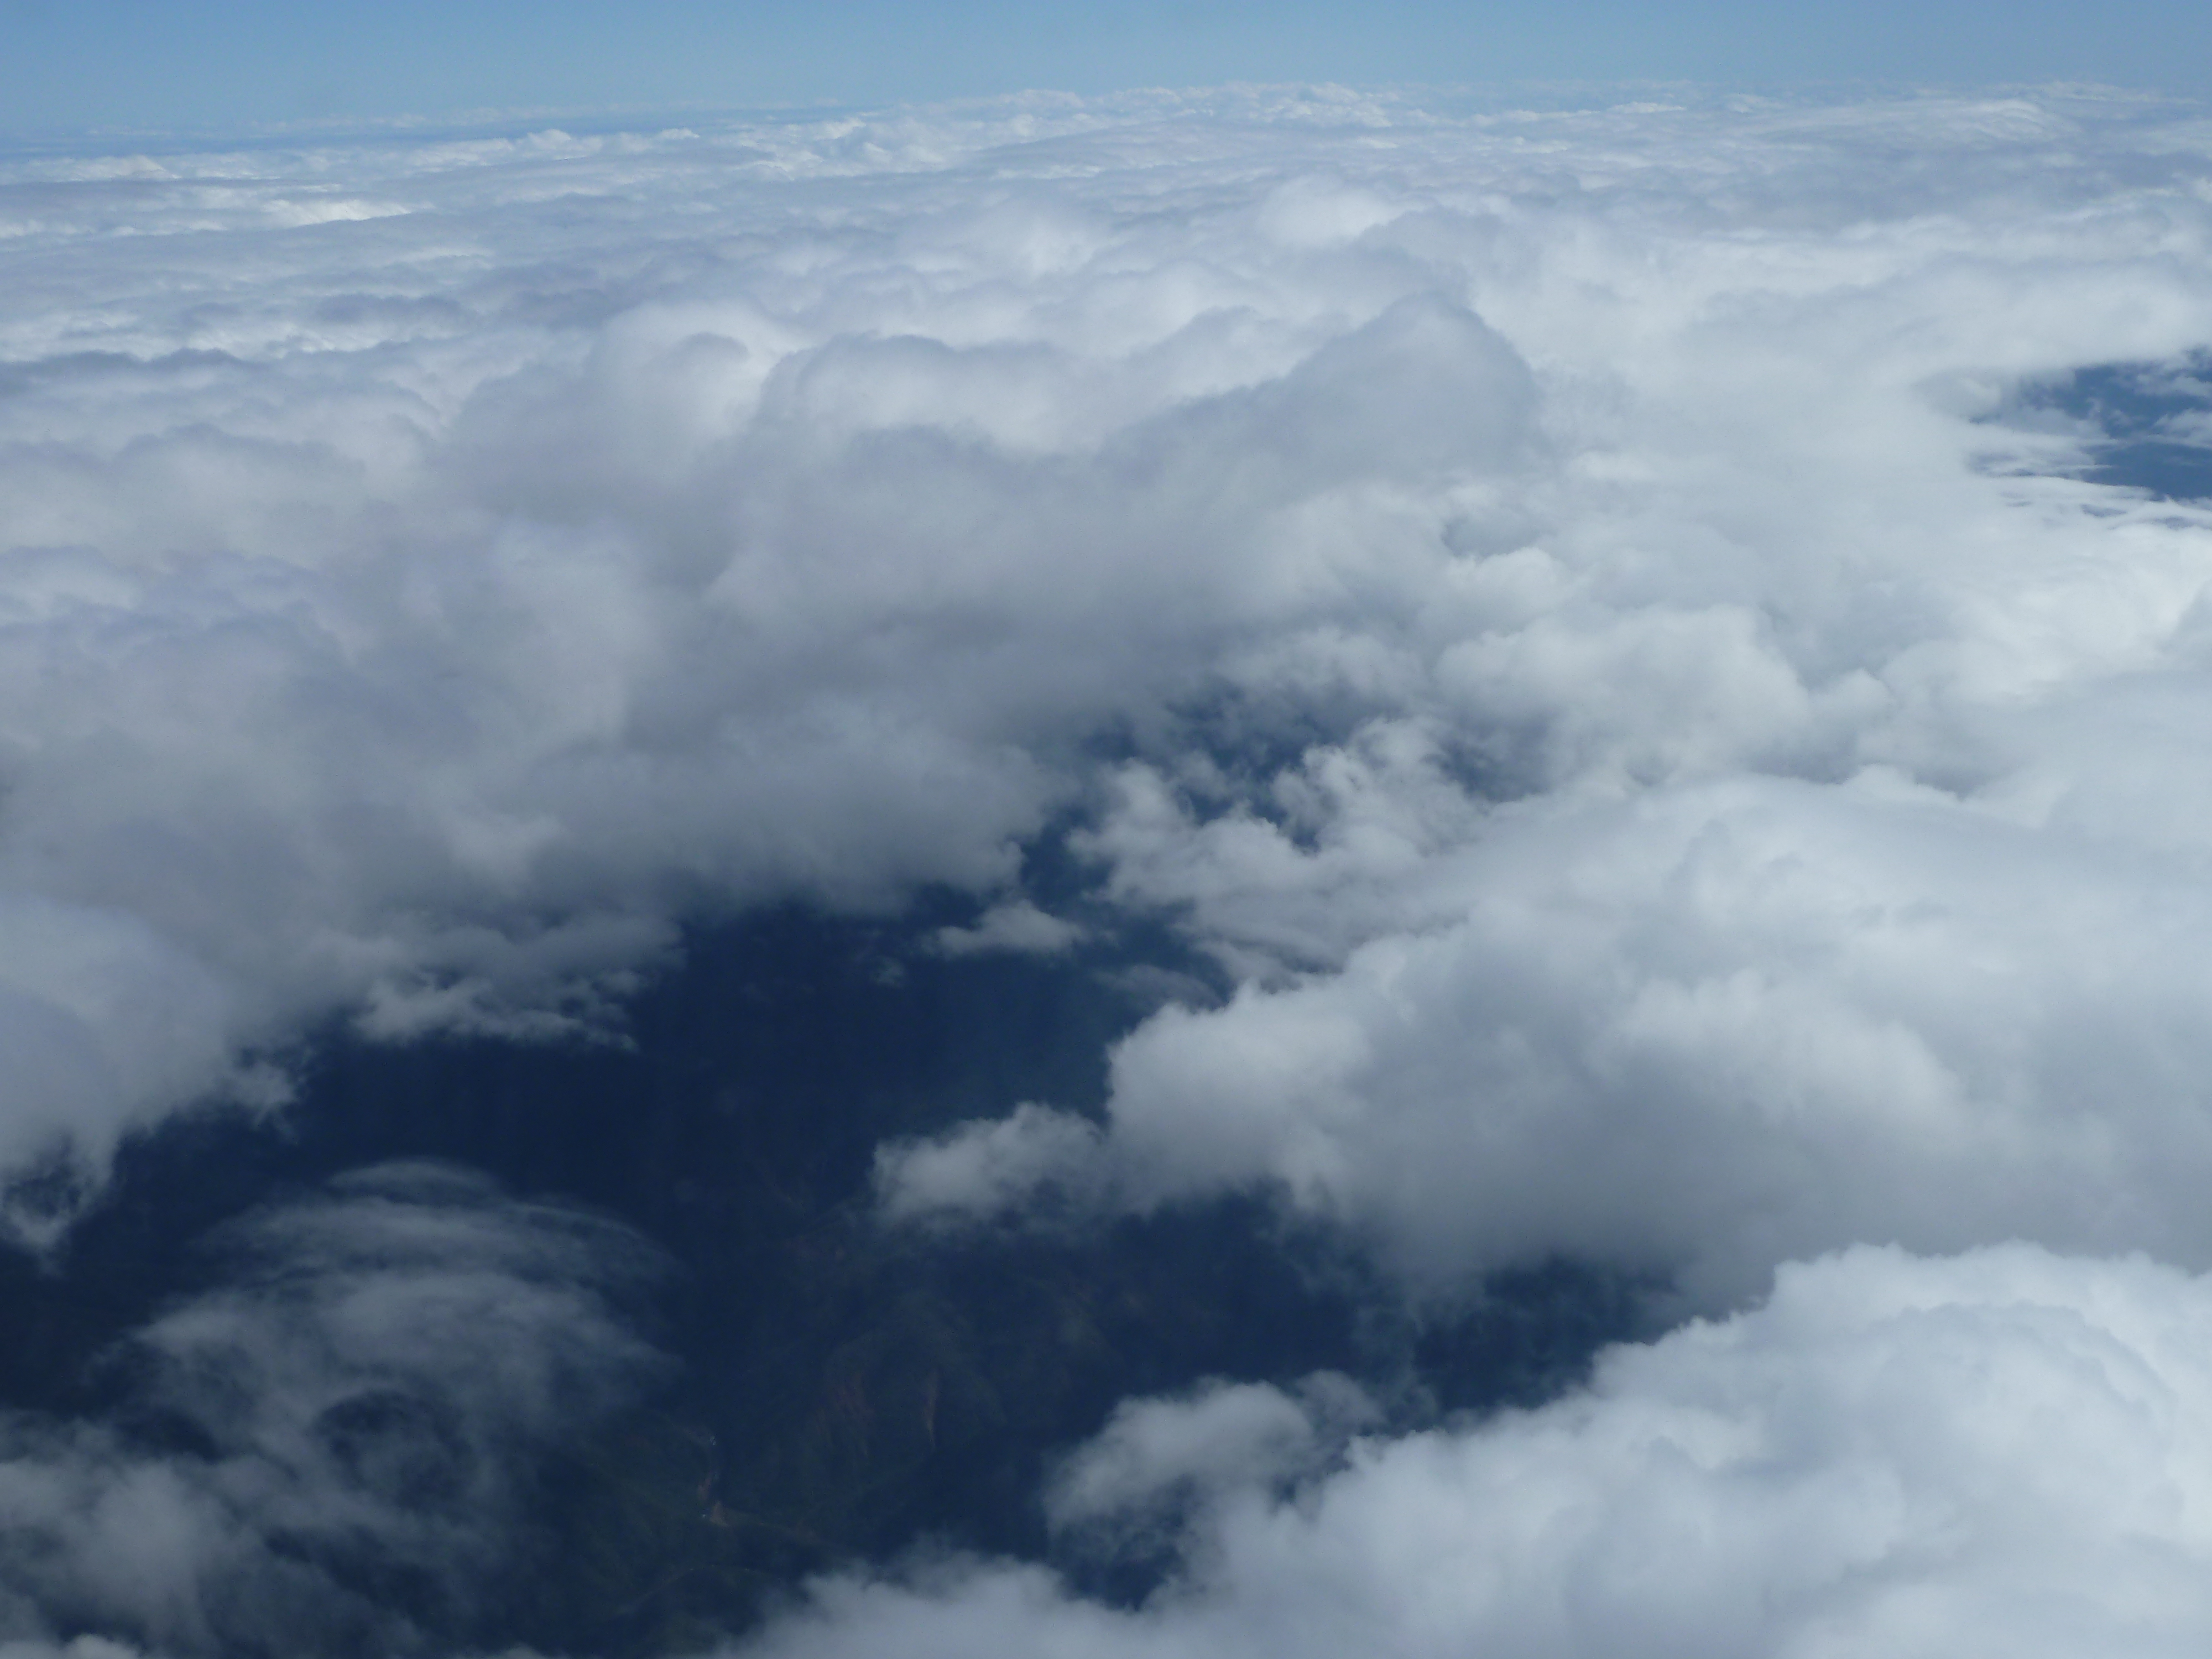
{"x": 165, "y": 65}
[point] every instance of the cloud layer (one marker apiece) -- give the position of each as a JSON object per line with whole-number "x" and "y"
{"x": 434, "y": 572}
{"x": 2002, "y": 1451}
{"x": 437, "y": 571}
{"x": 1681, "y": 755}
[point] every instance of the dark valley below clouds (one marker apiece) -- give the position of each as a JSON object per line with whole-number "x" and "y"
{"x": 1284, "y": 871}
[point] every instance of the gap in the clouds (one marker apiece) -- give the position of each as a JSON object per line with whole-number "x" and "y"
{"x": 1231, "y": 750}
{"x": 847, "y": 1389}
{"x": 2145, "y": 425}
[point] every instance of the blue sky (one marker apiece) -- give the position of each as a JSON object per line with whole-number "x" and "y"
{"x": 168, "y": 63}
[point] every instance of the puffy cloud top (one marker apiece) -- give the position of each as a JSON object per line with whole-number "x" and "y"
{"x": 416, "y": 613}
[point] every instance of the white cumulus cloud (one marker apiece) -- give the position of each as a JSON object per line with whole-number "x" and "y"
{"x": 2004, "y": 1452}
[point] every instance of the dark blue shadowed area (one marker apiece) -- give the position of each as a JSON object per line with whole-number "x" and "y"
{"x": 845, "y": 1390}
{"x": 2154, "y": 419}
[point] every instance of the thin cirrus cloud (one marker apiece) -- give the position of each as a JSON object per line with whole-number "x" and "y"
{"x": 1583, "y": 614}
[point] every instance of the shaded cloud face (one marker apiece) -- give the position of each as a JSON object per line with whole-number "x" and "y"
{"x": 330, "y": 1450}
{"x": 2001, "y": 1450}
